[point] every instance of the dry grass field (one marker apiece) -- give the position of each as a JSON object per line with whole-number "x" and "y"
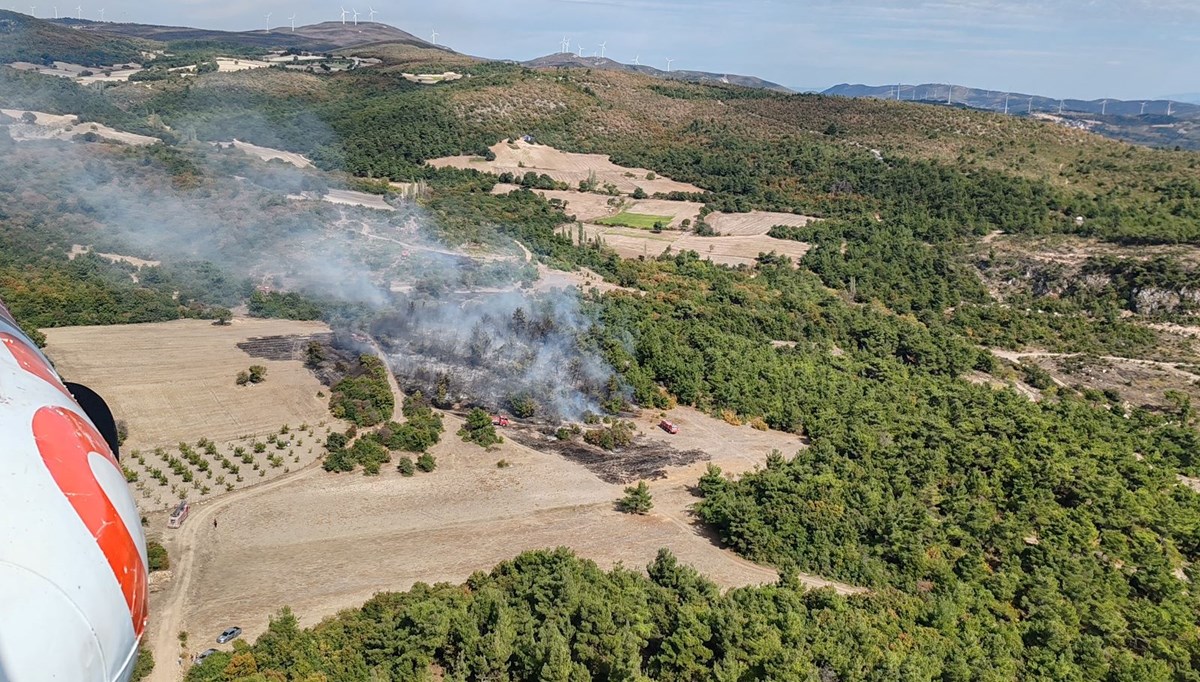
{"x": 521, "y": 157}
{"x": 173, "y": 383}
{"x": 322, "y": 542}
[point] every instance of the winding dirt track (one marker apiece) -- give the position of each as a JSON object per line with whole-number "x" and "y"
{"x": 165, "y": 623}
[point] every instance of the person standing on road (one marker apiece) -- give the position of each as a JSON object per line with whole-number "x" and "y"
{"x": 214, "y": 524}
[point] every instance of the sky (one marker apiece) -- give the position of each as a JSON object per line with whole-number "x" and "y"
{"x": 1088, "y": 49}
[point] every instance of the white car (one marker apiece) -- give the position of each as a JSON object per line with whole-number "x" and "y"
{"x": 230, "y": 634}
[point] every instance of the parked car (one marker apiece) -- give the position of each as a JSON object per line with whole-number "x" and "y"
{"x": 229, "y": 635}
{"x": 203, "y": 655}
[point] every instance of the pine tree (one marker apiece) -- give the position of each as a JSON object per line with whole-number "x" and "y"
{"x": 637, "y": 499}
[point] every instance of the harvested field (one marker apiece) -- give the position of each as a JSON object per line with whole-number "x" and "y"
{"x": 99, "y": 74}
{"x": 431, "y": 78}
{"x": 754, "y": 222}
{"x": 225, "y": 64}
{"x": 738, "y": 250}
{"x": 173, "y": 381}
{"x": 58, "y": 127}
{"x": 522, "y": 157}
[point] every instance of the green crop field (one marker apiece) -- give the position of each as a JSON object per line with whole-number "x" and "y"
{"x": 641, "y": 221}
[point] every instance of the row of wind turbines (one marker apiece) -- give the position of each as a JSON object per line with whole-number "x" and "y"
{"x": 78, "y": 12}
{"x": 602, "y": 52}
{"x": 896, "y": 91}
{"x": 352, "y": 13}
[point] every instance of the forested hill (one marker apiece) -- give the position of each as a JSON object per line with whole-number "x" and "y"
{"x": 323, "y": 37}
{"x": 567, "y": 60}
{"x": 24, "y": 38}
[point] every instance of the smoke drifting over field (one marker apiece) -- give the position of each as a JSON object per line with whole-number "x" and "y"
{"x": 459, "y": 323}
{"x": 494, "y": 348}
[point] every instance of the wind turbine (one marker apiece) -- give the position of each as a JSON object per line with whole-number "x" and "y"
{"x": 1169, "y": 105}
{"x": 293, "y": 20}
{"x": 564, "y": 45}
{"x": 268, "y": 22}
{"x": 1006, "y": 98}
{"x": 344, "y": 13}
{"x": 435, "y": 36}
{"x": 79, "y": 12}
{"x": 637, "y": 61}
{"x": 101, "y": 13}
{"x": 372, "y": 13}
{"x": 950, "y": 94}
{"x": 1030, "y": 105}
{"x": 1061, "y": 104}
{"x": 603, "y": 46}
{"x": 355, "y": 15}
{"x": 1143, "y": 111}
{"x": 580, "y": 50}
{"x": 56, "y": 11}
{"x": 1104, "y": 108}
{"x": 669, "y": 60}
{"x": 32, "y": 9}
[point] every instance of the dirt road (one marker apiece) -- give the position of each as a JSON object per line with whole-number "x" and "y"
{"x": 168, "y": 607}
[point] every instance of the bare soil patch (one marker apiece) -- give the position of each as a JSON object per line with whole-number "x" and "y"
{"x": 1140, "y": 383}
{"x": 347, "y": 197}
{"x": 268, "y": 154}
{"x": 522, "y": 157}
{"x": 78, "y": 250}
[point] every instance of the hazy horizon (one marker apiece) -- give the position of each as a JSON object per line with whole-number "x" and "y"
{"x": 1085, "y": 49}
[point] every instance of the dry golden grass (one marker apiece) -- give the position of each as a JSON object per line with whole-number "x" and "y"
{"x": 174, "y": 381}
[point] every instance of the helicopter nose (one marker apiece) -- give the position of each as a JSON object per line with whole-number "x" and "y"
{"x": 43, "y": 634}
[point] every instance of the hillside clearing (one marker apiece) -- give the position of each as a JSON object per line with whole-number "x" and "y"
{"x": 268, "y": 154}
{"x": 57, "y": 127}
{"x": 521, "y": 157}
{"x": 731, "y": 250}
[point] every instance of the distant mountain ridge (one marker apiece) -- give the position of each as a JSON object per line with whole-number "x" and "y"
{"x": 566, "y": 60}
{"x": 322, "y": 37}
{"x": 1153, "y": 123}
{"x": 1017, "y": 102}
